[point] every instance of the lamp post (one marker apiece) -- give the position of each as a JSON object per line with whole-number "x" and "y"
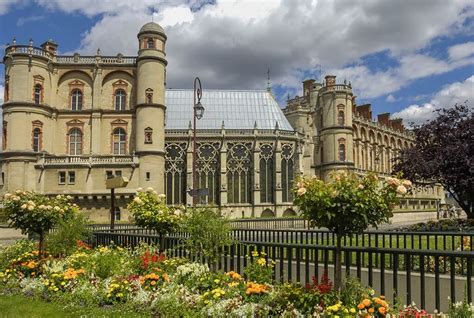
{"x": 198, "y": 113}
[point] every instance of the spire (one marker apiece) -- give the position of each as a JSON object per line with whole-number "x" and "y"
{"x": 269, "y": 84}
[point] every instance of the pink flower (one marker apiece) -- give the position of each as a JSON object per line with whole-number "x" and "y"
{"x": 407, "y": 183}
{"x": 401, "y": 189}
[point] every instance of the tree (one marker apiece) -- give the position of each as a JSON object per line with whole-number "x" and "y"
{"x": 347, "y": 204}
{"x": 443, "y": 152}
{"x": 149, "y": 210}
{"x": 35, "y": 213}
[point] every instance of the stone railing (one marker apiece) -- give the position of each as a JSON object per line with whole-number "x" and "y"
{"x": 69, "y": 59}
{"x": 87, "y": 160}
{"x": 337, "y": 87}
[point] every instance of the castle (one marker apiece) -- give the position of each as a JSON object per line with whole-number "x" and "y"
{"x": 71, "y": 122}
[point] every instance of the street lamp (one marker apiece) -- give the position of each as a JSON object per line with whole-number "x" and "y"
{"x": 198, "y": 113}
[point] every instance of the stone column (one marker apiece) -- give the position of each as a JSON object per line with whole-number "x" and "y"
{"x": 256, "y": 174}
{"x": 223, "y": 172}
{"x": 278, "y": 193}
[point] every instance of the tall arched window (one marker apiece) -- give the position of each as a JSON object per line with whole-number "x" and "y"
{"x": 75, "y": 142}
{"x": 342, "y": 152}
{"x": 119, "y": 141}
{"x": 120, "y": 99}
{"x": 175, "y": 173}
{"x": 4, "y": 140}
{"x": 266, "y": 173}
{"x": 208, "y": 171}
{"x": 150, "y": 43}
{"x": 287, "y": 172}
{"x": 37, "y": 94}
{"x": 340, "y": 118}
{"x": 36, "y": 140}
{"x": 239, "y": 176}
{"x": 76, "y": 99}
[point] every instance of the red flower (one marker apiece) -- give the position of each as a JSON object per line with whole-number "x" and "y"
{"x": 325, "y": 286}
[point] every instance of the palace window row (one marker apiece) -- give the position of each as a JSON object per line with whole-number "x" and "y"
{"x": 239, "y": 172}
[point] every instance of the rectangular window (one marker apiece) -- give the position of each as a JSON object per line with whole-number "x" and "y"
{"x": 118, "y": 173}
{"x": 109, "y": 174}
{"x": 71, "y": 177}
{"x": 2, "y": 179}
{"x": 148, "y": 176}
{"x": 62, "y": 177}
{"x": 117, "y": 214}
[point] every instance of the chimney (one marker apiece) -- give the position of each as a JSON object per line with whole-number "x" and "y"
{"x": 384, "y": 118}
{"x": 397, "y": 124}
{"x": 50, "y": 46}
{"x": 308, "y": 88}
{"x": 330, "y": 80}
{"x": 365, "y": 111}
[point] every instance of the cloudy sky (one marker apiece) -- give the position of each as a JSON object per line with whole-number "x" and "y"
{"x": 404, "y": 57}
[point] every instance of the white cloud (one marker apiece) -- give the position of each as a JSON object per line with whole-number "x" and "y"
{"x": 390, "y": 98}
{"x": 460, "y": 51}
{"x": 231, "y": 43}
{"x": 21, "y": 21}
{"x": 448, "y": 96}
{"x": 2, "y": 91}
{"x": 6, "y": 5}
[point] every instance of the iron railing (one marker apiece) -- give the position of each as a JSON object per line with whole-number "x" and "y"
{"x": 409, "y": 274}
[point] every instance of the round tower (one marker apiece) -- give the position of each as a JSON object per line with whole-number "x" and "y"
{"x": 27, "y": 114}
{"x": 334, "y": 121}
{"x": 150, "y": 106}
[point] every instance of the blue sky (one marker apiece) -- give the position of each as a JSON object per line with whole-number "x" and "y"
{"x": 404, "y": 57}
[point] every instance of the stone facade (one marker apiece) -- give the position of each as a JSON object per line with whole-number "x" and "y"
{"x": 340, "y": 135}
{"x": 69, "y": 122}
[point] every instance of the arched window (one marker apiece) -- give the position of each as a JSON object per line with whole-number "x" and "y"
{"x": 76, "y": 99}
{"x": 340, "y": 118}
{"x": 37, "y": 94}
{"x": 150, "y": 43}
{"x": 75, "y": 142}
{"x": 342, "y": 152}
{"x": 239, "y": 172}
{"x": 175, "y": 173}
{"x": 120, "y": 98}
{"x": 119, "y": 141}
{"x": 267, "y": 187}
{"x": 4, "y": 140}
{"x": 149, "y": 96}
{"x": 148, "y": 135}
{"x": 36, "y": 140}
{"x": 287, "y": 171}
{"x": 208, "y": 171}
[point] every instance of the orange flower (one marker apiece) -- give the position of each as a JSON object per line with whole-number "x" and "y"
{"x": 382, "y": 310}
{"x": 153, "y": 283}
{"x": 382, "y": 297}
{"x": 166, "y": 278}
{"x": 361, "y": 306}
{"x": 366, "y": 302}
{"x": 371, "y": 310}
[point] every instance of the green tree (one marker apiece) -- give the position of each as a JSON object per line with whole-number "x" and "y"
{"x": 149, "y": 210}
{"x": 35, "y": 213}
{"x": 348, "y": 204}
{"x": 207, "y": 232}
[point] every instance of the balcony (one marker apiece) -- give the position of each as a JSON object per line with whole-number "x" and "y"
{"x": 87, "y": 161}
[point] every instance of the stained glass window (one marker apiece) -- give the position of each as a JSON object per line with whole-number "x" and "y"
{"x": 266, "y": 173}
{"x": 239, "y": 172}
{"x": 175, "y": 173}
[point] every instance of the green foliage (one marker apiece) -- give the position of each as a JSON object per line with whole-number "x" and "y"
{"x": 106, "y": 263}
{"x": 353, "y": 291}
{"x": 348, "y": 203}
{"x": 259, "y": 268}
{"x": 14, "y": 251}
{"x": 63, "y": 241}
{"x": 207, "y": 232}
{"x": 35, "y": 213}
{"x": 149, "y": 210}
{"x": 461, "y": 309}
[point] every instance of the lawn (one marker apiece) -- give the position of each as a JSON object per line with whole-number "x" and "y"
{"x": 19, "y": 306}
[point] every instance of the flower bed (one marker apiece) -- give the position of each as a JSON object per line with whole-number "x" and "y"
{"x": 144, "y": 281}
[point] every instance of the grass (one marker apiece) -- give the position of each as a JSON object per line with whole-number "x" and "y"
{"x": 19, "y": 306}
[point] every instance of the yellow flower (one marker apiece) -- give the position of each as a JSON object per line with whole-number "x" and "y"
{"x": 255, "y": 253}
{"x": 261, "y": 262}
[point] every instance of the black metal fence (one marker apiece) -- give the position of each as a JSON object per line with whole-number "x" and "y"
{"x": 392, "y": 271}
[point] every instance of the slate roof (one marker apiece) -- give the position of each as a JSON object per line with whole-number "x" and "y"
{"x": 239, "y": 109}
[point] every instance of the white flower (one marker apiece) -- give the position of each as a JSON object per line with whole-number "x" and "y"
{"x": 407, "y": 183}
{"x": 56, "y": 208}
{"x": 149, "y": 189}
{"x": 69, "y": 197}
{"x": 58, "y": 196}
{"x": 360, "y": 186}
{"x": 401, "y": 189}
{"x": 393, "y": 181}
{"x": 7, "y": 196}
{"x": 301, "y": 191}
{"x": 15, "y": 198}
{"x": 137, "y": 200}
{"x": 162, "y": 196}
{"x": 31, "y": 207}
{"x": 24, "y": 206}
{"x": 139, "y": 189}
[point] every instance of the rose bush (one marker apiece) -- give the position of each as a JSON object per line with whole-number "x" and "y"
{"x": 35, "y": 213}
{"x": 348, "y": 204}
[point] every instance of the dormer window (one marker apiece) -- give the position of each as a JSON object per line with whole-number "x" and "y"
{"x": 76, "y": 99}
{"x": 120, "y": 99}
{"x": 150, "y": 43}
{"x": 149, "y": 96}
{"x": 38, "y": 91}
{"x": 148, "y": 135}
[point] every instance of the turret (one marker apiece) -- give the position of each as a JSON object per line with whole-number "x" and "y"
{"x": 333, "y": 119}
{"x": 150, "y": 106}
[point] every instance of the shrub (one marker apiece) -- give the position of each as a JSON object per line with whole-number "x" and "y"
{"x": 14, "y": 251}
{"x": 63, "y": 240}
{"x": 259, "y": 269}
{"x": 207, "y": 233}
